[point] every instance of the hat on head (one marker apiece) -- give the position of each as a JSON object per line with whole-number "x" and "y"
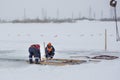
{"x": 49, "y": 44}
{"x": 37, "y": 45}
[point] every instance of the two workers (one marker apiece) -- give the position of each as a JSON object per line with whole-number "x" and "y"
{"x": 34, "y": 51}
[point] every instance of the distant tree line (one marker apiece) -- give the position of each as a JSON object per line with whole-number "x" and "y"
{"x": 109, "y": 19}
{"x": 54, "y": 20}
{"x": 72, "y": 19}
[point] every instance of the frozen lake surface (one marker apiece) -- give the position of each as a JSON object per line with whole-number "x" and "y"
{"x": 83, "y": 38}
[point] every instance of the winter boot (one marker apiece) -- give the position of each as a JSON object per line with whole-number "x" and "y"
{"x": 36, "y": 61}
{"x": 31, "y": 61}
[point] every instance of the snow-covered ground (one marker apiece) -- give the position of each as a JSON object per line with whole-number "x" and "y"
{"x": 83, "y": 38}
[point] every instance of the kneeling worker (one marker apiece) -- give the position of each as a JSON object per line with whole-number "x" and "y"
{"x": 34, "y": 50}
{"x": 49, "y": 51}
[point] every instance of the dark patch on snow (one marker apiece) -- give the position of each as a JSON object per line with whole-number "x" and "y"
{"x": 61, "y": 62}
{"x": 105, "y": 57}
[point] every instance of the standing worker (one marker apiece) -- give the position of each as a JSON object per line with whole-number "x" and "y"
{"x": 34, "y": 50}
{"x": 49, "y": 51}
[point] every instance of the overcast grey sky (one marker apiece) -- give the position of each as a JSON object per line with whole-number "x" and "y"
{"x": 12, "y": 9}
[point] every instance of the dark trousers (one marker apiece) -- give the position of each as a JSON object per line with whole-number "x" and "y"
{"x": 49, "y": 55}
{"x": 34, "y": 53}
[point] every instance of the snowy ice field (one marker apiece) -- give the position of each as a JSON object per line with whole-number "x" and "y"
{"x": 84, "y": 38}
